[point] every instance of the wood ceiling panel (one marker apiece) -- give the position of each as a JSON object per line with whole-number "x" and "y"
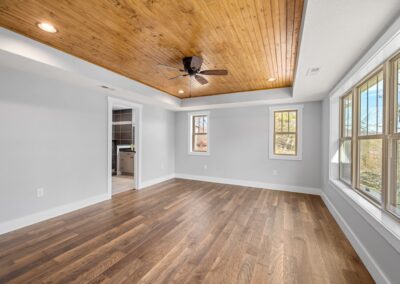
{"x": 253, "y": 39}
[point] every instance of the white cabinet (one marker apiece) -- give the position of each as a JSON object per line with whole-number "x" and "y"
{"x": 126, "y": 162}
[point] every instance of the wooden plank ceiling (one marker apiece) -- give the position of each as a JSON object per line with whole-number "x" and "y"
{"x": 253, "y": 39}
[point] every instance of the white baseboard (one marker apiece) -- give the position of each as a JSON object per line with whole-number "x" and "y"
{"x": 281, "y": 187}
{"x": 366, "y": 258}
{"x": 50, "y": 213}
{"x": 156, "y": 180}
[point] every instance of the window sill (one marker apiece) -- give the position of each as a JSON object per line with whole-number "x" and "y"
{"x": 283, "y": 157}
{"x": 383, "y": 222}
{"x": 199, "y": 153}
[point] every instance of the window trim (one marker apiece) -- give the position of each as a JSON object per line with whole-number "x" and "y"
{"x": 388, "y": 135}
{"x": 299, "y": 129}
{"x": 190, "y": 131}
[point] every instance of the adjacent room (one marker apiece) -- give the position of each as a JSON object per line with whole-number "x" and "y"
{"x": 123, "y": 149}
{"x": 200, "y": 141}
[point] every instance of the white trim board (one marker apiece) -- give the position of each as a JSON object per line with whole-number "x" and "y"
{"x": 24, "y": 221}
{"x": 256, "y": 184}
{"x": 362, "y": 252}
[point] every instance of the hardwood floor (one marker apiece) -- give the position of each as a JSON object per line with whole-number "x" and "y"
{"x": 186, "y": 232}
{"x": 122, "y": 183}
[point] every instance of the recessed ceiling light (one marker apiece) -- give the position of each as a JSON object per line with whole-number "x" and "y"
{"x": 181, "y": 91}
{"x": 271, "y": 79}
{"x": 47, "y": 27}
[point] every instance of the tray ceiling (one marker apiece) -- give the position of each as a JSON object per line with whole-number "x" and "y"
{"x": 253, "y": 39}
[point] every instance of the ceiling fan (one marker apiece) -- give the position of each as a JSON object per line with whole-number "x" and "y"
{"x": 192, "y": 68}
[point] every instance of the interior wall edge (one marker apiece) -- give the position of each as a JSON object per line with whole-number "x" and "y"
{"x": 367, "y": 259}
{"x": 155, "y": 181}
{"x": 255, "y": 184}
{"x": 34, "y": 218}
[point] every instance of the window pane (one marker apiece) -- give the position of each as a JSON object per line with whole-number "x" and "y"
{"x": 205, "y": 126}
{"x": 370, "y": 167}
{"x": 285, "y": 121}
{"x": 347, "y": 116}
{"x": 394, "y": 194}
{"x": 200, "y": 143}
{"x": 200, "y": 124}
{"x": 278, "y": 122}
{"x": 345, "y": 161}
{"x": 363, "y": 110}
{"x": 292, "y": 121}
{"x": 285, "y": 144}
{"x": 371, "y": 106}
{"x": 196, "y": 124}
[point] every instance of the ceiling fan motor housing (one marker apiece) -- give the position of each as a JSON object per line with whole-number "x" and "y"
{"x": 187, "y": 66}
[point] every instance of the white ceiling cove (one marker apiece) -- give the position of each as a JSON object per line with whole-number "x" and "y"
{"x": 335, "y": 35}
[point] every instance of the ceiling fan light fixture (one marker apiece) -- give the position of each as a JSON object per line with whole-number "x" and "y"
{"x": 272, "y": 79}
{"x": 47, "y": 27}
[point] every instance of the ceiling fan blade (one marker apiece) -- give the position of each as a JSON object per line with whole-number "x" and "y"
{"x": 196, "y": 62}
{"x": 214, "y": 72}
{"x": 177, "y": 76}
{"x": 200, "y": 79}
{"x": 170, "y": 67}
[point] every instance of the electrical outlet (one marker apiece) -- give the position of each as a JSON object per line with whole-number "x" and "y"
{"x": 275, "y": 172}
{"x": 40, "y": 192}
{"x": 205, "y": 167}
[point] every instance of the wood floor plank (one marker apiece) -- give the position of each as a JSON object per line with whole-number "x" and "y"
{"x": 185, "y": 231}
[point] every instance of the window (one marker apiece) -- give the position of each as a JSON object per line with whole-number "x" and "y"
{"x": 370, "y": 136}
{"x": 199, "y": 126}
{"x": 285, "y": 132}
{"x": 369, "y": 151}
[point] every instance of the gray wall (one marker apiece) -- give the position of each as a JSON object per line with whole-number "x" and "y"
{"x": 54, "y": 135}
{"x": 158, "y": 143}
{"x": 239, "y": 148}
{"x": 385, "y": 256}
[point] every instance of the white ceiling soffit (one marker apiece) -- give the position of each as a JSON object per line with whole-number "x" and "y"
{"x": 17, "y": 51}
{"x": 335, "y": 35}
{"x": 238, "y": 99}
{"x": 382, "y": 49}
{"x": 20, "y": 52}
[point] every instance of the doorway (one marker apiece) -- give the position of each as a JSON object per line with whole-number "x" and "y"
{"x": 124, "y": 119}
